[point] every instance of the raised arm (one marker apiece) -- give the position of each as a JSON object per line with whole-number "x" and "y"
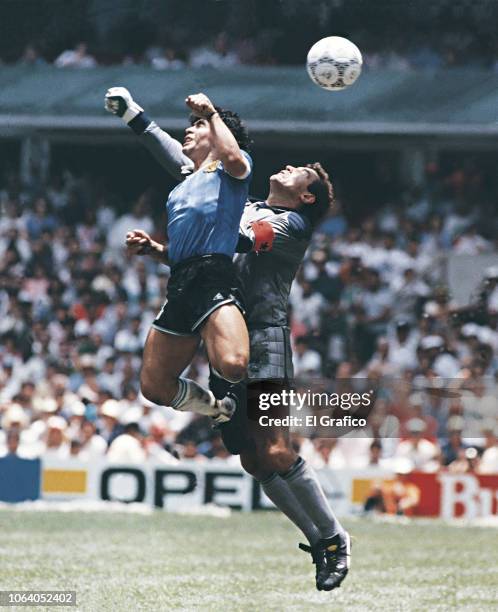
{"x": 166, "y": 150}
{"x": 226, "y": 147}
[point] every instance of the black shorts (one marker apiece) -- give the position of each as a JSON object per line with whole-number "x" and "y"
{"x": 196, "y": 288}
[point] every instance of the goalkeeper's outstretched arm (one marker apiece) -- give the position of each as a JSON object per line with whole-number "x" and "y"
{"x": 163, "y": 147}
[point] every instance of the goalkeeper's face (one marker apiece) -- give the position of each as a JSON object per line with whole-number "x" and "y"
{"x": 295, "y": 181}
{"x": 197, "y": 142}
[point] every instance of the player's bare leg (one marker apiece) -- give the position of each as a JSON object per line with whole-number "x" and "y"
{"x": 165, "y": 357}
{"x": 227, "y": 342}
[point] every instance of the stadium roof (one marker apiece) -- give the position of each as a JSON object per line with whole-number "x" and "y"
{"x": 454, "y": 103}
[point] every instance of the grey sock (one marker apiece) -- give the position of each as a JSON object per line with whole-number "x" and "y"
{"x": 281, "y": 495}
{"x": 303, "y": 482}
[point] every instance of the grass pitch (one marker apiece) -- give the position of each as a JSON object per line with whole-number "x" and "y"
{"x": 245, "y": 562}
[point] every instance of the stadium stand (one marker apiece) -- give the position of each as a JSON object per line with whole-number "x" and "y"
{"x": 85, "y": 34}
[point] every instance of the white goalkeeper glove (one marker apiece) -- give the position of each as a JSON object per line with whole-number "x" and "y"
{"x": 118, "y": 101}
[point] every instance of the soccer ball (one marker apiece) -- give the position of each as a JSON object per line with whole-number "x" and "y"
{"x": 334, "y": 63}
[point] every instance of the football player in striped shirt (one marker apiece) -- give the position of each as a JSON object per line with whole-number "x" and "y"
{"x": 203, "y": 212}
{"x": 274, "y": 235}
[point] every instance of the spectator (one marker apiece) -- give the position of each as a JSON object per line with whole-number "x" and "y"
{"x": 128, "y": 447}
{"x": 40, "y": 220}
{"x": 402, "y": 346}
{"x": 478, "y": 405}
{"x": 381, "y": 361}
{"x": 489, "y": 459}
{"x": 417, "y": 403}
{"x": 354, "y": 449}
{"x": 167, "y": 59}
{"x": 409, "y": 291}
{"x": 158, "y": 442}
{"x": 416, "y": 452}
{"x": 139, "y": 217}
{"x": 109, "y": 413}
{"x": 334, "y": 328}
{"x": 471, "y": 243}
{"x": 323, "y": 275}
{"x": 14, "y": 417}
{"x": 31, "y": 56}
{"x": 189, "y": 451}
{"x": 12, "y": 439}
{"x": 307, "y": 306}
{"x": 129, "y": 340}
{"x": 93, "y": 445}
{"x": 373, "y": 310}
{"x": 55, "y": 442}
{"x": 74, "y": 449}
{"x": 217, "y": 55}
{"x": 76, "y": 58}
{"x": 467, "y": 461}
{"x": 327, "y": 454}
{"x": 110, "y": 379}
{"x": 431, "y": 47}
{"x": 306, "y": 361}
{"x": 375, "y": 458}
{"x": 452, "y": 449}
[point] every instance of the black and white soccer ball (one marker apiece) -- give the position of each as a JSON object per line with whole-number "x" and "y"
{"x": 334, "y": 63}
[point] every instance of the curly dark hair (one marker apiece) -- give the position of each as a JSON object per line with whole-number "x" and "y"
{"x": 323, "y": 191}
{"x": 234, "y": 124}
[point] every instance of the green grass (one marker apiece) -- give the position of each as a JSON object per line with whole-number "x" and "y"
{"x": 246, "y": 562}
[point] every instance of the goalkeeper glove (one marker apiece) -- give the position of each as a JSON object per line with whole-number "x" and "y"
{"x": 118, "y": 101}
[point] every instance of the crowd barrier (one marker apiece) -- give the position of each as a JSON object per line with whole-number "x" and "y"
{"x": 192, "y": 484}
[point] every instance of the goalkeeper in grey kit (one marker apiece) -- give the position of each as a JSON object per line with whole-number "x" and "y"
{"x": 274, "y": 235}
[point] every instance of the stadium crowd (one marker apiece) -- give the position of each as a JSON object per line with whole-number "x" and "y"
{"x": 221, "y": 51}
{"x": 401, "y": 37}
{"x": 368, "y": 305}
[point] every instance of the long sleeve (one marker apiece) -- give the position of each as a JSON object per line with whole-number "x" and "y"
{"x": 166, "y": 150}
{"x": 278, "y": 232}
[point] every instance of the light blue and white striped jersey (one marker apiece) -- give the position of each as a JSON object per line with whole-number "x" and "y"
{"x": 204, "y": 212}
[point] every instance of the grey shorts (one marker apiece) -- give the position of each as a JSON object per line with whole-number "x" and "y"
{"x": 270, "y": 354}
{"x": 270, "y": 361}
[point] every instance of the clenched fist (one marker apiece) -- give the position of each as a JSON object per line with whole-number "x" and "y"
{"x": 201, "y": 105}
{"x": 118, "y": 101}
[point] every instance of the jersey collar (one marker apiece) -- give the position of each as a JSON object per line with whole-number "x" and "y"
{"x": 277, "y": 208}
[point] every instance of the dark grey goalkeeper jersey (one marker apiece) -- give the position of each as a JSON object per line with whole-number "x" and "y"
{"x": 266, "y": 276}
{"x": 266, "y": 279}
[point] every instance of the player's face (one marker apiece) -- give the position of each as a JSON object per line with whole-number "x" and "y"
{"x": 197, "y": 141}
{"x": 295, "y": 180}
